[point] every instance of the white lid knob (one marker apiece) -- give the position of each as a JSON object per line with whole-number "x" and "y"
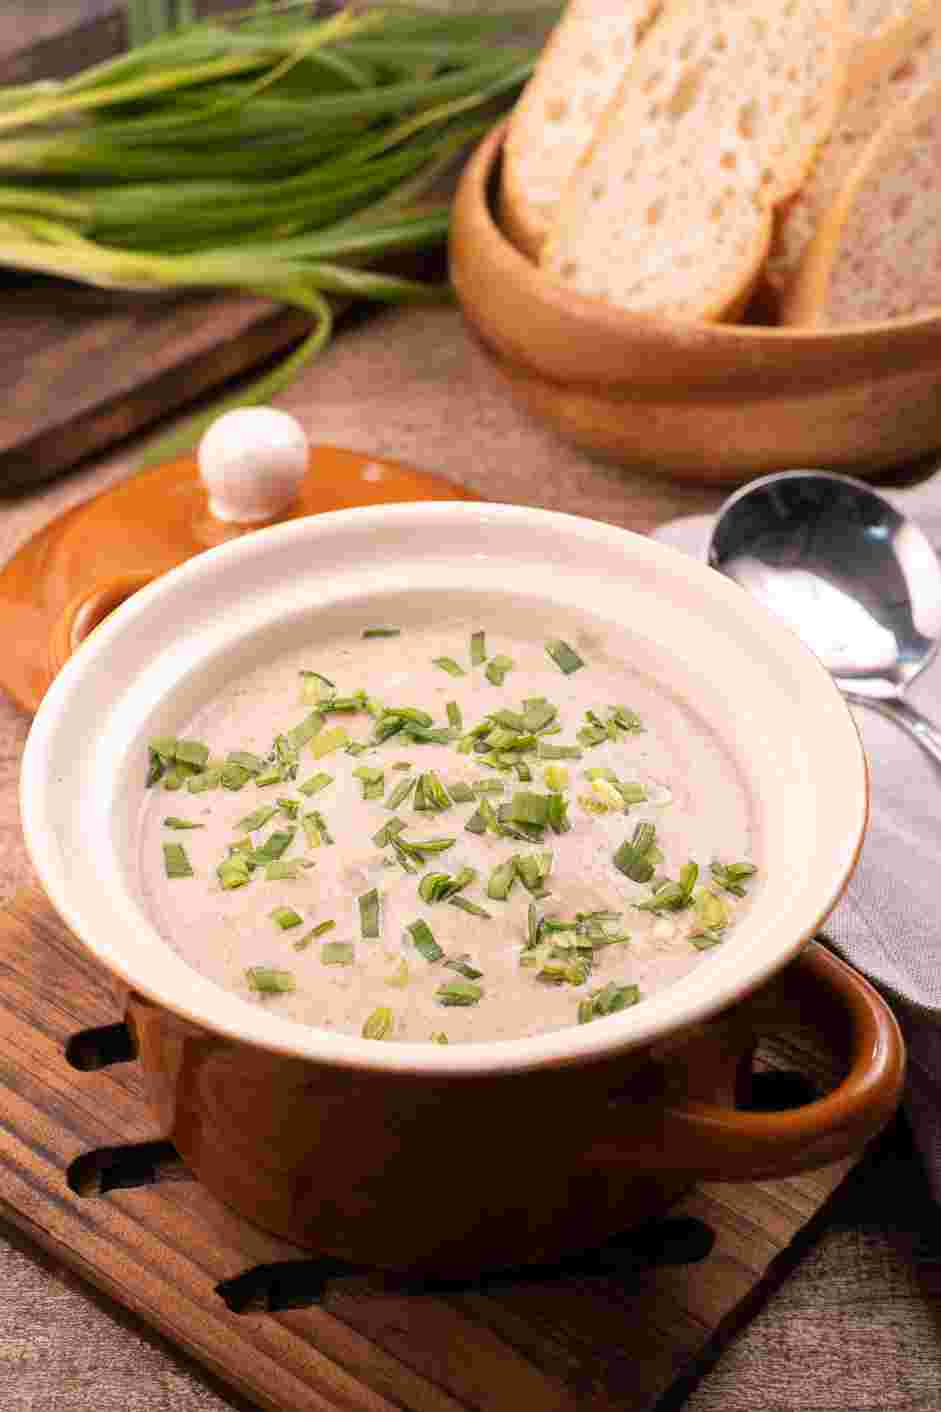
{"x": 252, "y": 461}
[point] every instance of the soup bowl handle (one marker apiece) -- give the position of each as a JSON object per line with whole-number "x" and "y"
{"x": 817, "y": 993}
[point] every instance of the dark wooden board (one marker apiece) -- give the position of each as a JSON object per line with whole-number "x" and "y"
{"x": 576, "y": 1344}
{"x": 82, "y": 369}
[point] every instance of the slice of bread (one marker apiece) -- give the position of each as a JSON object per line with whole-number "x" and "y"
{"x": 717, "y": 119}
{"x": 877, "y": 253}
{"x": 553, "y": 121}
{"x": 888, "y": 74}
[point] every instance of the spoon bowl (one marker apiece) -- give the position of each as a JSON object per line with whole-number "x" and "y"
{"x": 855, "y": 579}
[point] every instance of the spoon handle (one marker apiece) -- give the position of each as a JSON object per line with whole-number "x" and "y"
{"x": 904, "y": 715}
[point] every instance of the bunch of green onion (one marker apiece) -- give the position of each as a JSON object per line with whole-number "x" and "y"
{"x": 279, "y": 153}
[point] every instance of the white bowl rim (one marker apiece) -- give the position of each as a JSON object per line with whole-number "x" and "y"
{"x": 226, "y": 1014}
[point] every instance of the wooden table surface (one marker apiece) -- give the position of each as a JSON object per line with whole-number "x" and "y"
{"x": 858, "y": 1326}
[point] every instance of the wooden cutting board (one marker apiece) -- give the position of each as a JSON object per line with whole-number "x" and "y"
{"x": 83, "y": 369}
{"x": 631, "y": 1339}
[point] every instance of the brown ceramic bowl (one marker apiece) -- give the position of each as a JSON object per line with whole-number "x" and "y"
{"x": 697, "y": 401}
{"x": 453, "y": 1158}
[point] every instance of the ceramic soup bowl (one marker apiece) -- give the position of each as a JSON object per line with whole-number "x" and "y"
{"x": 450, "y": 1159}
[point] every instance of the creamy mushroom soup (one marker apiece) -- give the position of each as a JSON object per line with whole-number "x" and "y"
{"x": 445, "y": 834}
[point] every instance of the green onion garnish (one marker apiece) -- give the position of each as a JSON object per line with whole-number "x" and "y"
{"x": 538, "y": 713}
{"x": 192, "y": 752}
{"x": 257, "y": 818}
{"x": 379, "y": 1025}
{"x": 565, "y": 657}
{"x": 424, "y": 940}
{"x": 731, "y": 876}
{"x": 175, "y": 862}
{"x": 369, "y": 915}
{"x": 529, "y": 808}
{"x": 478, "y": 649}
{"x": 459, "y": 992}
{"x": 319, "y": 930}
{"x": 172, "y": 822}
{"x": 401, "y": 792}
{"x": 706, "y": 940}
{"x": 234, "y": 871}
{"x": 388, "y": 831}
{"x": 381, "y": 632}
{"x": 497, "y": 668}
{"x": 711, "y": 910}
{"x": 209, "y": 779}
{"x": 558, "y": 752}
{"x": 300, "y": 734}
{"x": 337, "y": 953}
{"x": 285, "y": 918}
{"x": 501, "y": 880}
{"x": 430, "y": 793}
{"x": 315, "y": 829}
{"x": 328, "y": 741}
{"x": 557, "y": 777}
{"x": 234, "y": 776}
{"x": 455, "y": 719}
{"x": 289, "y": 807}
{"x": 462, "y": 965}
{"x": 420, "y": 848}
{"x": 373, "y": 781}
{"x": 448, "y": 664}
{"x": 487, "y": 787}
{"x": 269, "y": 980}
{"x": 461, "y": 792}
{"x": 273, "y": 847}
{"x": 471, "y": 907}
{"x": 631, "y": 858}
{"x": 532, "y": 869}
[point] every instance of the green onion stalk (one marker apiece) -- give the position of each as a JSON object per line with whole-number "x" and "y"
{"x": 280, "y": 153}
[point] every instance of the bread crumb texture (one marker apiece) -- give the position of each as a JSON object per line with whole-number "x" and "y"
{"x": 715, "y": 121}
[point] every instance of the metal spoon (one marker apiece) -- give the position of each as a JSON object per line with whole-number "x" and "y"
{"x": 857, "y": 581}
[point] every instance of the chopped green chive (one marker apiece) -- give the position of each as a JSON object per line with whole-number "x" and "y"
{"x": 273, "y": 847}
{"x": 631, "y": 858}
{"x": 172, "y": 822}
{"x": 459, "y": 992}
{"x": 289, "y": 807}
{"x": 731, "y": 876}
{"x": 424, "y": 941}
{"x": 175, "y": 862}
{"x": 455, "y": 719}
{"x": 285, "y": 918}
{"x": 234, "y": 775}
{"x": 478, "y": 649}
{"x": 462, "y": 965}
{"x": 369, "y": 915}
{"x": 381, "y": 632}
{"x": 209, "y": 779}
{"x": 328, "y": 741}
{"x": 401, "y": 792}
{"x": 487, "y": 787}
{"x": 337, "y": 953}
{"x": 438, "y": 887}
{"x": 315, "y": 829}
{"x": 538, "y": 713}
{"x": 711, "y": 910}
{"x": 234, "y": 871}
{"x": 448, "y": 664}
{"x": 608, "y": 1001}
{"x": 529, "y": 808}
{"x": 501, "y": 880}
{"x": 192, "y": 752}
{"x": 497, "y": 668}
{"x": 532, "y": 869}
{"x": 373, "y": 781}
{"x": 388, "y": 831}
{"x": 379, "y": 1025}
{"x": 419, "y": 849}
{"x": 465, "y": 906}
{"x": 430, "y": 793}
{"x": 565, "y": 657}
{"x": 300, "y": 734}
{"x": 558, "y": 752}
{"x": 257, "y": 818}
{"x": 556, "y": 777}
{"x": 319, "y": 930}
{"x": 270, "y": 981}
{"x": 461, "y": 792}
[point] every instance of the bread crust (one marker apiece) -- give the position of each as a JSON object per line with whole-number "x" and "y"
{"x": 806, "y": 301}
{"x": 525, "y": 222}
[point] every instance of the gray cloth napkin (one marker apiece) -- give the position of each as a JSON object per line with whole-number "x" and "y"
{"x": 888, "y": 924}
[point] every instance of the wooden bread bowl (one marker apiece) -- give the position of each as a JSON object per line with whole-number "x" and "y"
{"x": 694, "y": 401}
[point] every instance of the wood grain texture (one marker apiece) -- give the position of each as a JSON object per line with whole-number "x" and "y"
{"x": 589, "y": 1344}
